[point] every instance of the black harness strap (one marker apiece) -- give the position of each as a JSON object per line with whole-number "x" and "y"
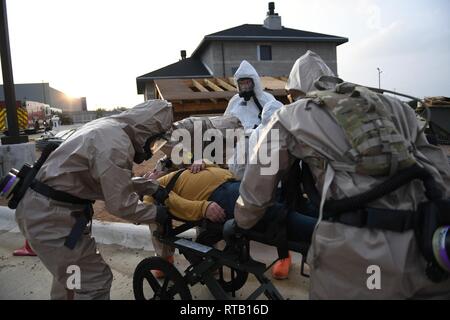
{"x": 375, "y": 218}
{"x": 162, "y": 217}
{"x": 62, "y": 196}
{"x": 277, "y": 231}
{"x": 80, "y": 225}
{"x": 258, "y": 104}
{"x": 354, "y": 211}
{"x": 173, "y": 181}
{"x": 81, "y": 220}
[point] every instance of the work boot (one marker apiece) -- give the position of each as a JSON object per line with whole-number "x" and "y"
{"x": 158, "y": 273}
{"x": 24, "y": 251}
{"x": 280, "y": 269}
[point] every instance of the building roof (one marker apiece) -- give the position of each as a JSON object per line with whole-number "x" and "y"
{"x": 193, "y": 68}
{"x": 257, "y": 32}
{"x": 185, "y": 68}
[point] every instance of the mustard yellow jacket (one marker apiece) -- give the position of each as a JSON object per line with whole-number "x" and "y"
{"x": 188, "y": 199}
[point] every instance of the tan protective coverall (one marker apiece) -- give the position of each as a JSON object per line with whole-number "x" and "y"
{"x": 95, "y": 163}
{"x": 340, "y": 255}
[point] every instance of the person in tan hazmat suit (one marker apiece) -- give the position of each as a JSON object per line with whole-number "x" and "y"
{"x": 95, "y": 163}
{"x": 345, "y": 251}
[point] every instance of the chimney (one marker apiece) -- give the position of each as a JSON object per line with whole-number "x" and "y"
{"x": 273, "y": 20}
{"x": 183, "y": 54}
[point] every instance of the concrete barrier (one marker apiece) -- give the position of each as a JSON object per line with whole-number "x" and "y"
{"x": 123, "y": 234}
{"x": 15, "y": 156}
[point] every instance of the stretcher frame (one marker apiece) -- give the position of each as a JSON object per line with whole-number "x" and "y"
{"x": 204, "y": 261}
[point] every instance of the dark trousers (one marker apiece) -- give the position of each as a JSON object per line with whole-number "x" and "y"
{"x": 300, "y": 226}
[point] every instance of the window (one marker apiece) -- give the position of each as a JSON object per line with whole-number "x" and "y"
{"x": 265, "y": 52}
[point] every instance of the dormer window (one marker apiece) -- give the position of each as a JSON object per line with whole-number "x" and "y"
{"x": 264, "y": 53}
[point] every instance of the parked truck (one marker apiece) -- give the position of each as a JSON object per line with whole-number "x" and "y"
{"x": 32, "y": 116}
{"x": 22, "y": 117}
{"x": 39, "y": 115}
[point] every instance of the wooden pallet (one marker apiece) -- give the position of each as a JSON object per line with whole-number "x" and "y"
{"x": 208, "y": 95}
{"x": 437, "y": 101}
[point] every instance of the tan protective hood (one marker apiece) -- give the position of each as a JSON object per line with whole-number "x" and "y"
{"x": 306, "y": 70}
{"x": 144, "y": 120}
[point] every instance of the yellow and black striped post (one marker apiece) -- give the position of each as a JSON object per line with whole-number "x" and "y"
{"x": 2, "y": 120}
{"x": 22, "y": 117}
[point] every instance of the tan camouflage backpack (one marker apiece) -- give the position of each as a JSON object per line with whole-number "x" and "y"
{"x": 377, "y": 148}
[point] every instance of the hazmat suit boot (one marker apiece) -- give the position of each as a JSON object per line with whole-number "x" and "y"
{"x": 25, "y": 251}
{"x": 158, "y": 273}
{"x": 280, "y": 269}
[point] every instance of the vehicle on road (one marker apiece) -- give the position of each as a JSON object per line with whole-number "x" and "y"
{"x": 32, "y": 116}
{"x": 52, "y": 137}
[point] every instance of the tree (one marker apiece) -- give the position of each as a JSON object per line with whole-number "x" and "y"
{"x": 120, "y": 109}
{"x": 100, "y": 112}
{"x": 65, "y": 119}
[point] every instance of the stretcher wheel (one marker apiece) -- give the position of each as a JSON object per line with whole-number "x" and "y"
{"x": 231, "y": 285}
{"x": 171, "y": 287}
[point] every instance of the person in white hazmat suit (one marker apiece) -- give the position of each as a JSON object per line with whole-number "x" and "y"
{"x": 95, "y": 163}
{"x": 248, "y": 105}
{"x": 377, "y": 234}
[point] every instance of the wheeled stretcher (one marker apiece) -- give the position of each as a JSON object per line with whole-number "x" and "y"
{"x": 205, "y": 261}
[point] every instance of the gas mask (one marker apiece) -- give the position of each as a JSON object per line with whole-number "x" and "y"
{"x": 246, "y": 88}
{"x": 164, "y": 164}
{"x": 140, "y": 157}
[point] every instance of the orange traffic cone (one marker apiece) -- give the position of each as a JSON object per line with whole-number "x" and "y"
{"x": 280, "y": 269}
{"x": 26, "y": 250}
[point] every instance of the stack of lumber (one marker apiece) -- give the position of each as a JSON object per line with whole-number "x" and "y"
{"x": 437, "y": 101}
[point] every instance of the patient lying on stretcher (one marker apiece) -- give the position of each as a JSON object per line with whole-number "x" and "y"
{"x": 206, "y": 191}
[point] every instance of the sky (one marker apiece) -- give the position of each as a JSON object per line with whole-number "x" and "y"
{"x": 97, "y": 48}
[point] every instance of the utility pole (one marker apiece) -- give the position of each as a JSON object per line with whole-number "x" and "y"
{"x": 8, "y": 82}
{"x": 43, "y": 91}
{"x": 379, "y": 77}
